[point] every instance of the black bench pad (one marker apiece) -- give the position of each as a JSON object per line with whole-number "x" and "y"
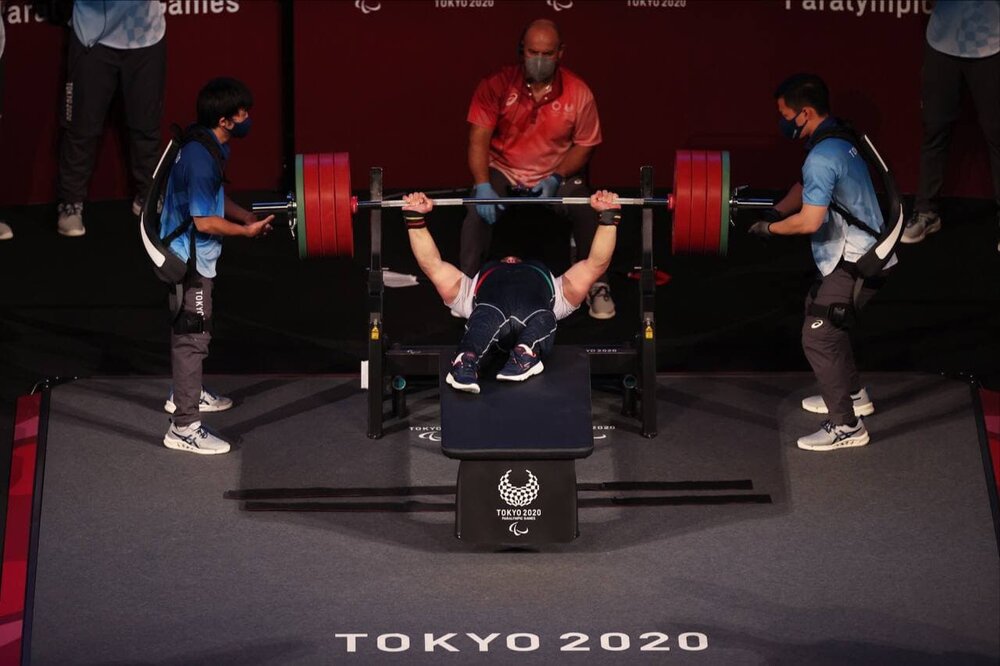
{"x": 546, "y": 417}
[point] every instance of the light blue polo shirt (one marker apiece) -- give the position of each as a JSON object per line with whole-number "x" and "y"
{"x": 134, "y": 24}
{"x": 194, "y": 189}
{"x": 834, "y": 170}
{"x": 965, "y": 28}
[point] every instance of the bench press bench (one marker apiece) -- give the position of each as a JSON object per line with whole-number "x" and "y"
{"x": 517, "y": 443}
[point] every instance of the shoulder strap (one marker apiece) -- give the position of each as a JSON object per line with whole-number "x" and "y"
{"x": 874, "y": 260}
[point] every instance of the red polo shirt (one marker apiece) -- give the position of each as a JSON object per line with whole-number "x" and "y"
{"x": 530, "y": 138}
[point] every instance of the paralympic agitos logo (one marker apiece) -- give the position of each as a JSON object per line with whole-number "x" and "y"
{"x": 368, "y": 6}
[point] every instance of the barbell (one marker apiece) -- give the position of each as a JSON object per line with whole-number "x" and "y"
{"x": 320, "y": 211}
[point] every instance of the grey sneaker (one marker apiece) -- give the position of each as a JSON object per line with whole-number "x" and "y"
{"x": 6, "y": 233}
{"x": 919, "y": 225}
{"x": 71, "y": 219}
{"x": 209, "y": 402}
{"x": 863, "y": 405}
{"x": 830, "y": 437}
{"x": 599, "y": 300}
{"x": 195, "y": 438}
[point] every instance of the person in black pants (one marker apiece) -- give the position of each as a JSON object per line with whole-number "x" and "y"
{"x": 835, "y": 204}
{"x": 512, "y": 305}
{"x": 963, "y": 45}
{"x": 111, "y": 44}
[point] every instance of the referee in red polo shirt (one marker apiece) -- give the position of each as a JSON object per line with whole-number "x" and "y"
{"x": 533, "y": 127}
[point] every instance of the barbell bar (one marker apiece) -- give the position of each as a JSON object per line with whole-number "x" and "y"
{"x": 320, "y": 212}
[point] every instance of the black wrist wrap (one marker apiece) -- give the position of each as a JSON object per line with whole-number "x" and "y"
{"x": 612, "y": 217}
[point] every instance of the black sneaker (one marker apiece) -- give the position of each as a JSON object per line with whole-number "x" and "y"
{"x": 523, "y": 363}
{"x": 464, "y": 375}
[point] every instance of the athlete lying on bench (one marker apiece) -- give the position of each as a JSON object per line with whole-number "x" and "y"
{"x": 510, "y": 304}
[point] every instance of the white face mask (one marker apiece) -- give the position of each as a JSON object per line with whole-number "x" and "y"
{"x": 540, "y": 69}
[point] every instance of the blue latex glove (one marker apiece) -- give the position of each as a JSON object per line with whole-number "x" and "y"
{"x": 487, "y": 211}
{"x": 548, "y": 186}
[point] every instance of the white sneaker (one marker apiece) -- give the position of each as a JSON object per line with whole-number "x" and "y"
{"x": 863, "y": 405}
{"x": 599, "y": 300}
{"x": 71, "y": 219}
{"x": 195, "y": 438}
{"x": 6, "y": 233}
{"x": 209, "y": 402}
{"x": 830, "y": 437}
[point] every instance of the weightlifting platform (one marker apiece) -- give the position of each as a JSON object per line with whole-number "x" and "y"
{"x": 716, "y": 542}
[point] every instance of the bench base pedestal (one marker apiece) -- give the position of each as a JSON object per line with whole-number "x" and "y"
{"x": 516, "y": 502}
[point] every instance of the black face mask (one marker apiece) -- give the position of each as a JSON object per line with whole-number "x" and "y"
{"x": 241, "y": 129}
{"x": 788, "y": 128}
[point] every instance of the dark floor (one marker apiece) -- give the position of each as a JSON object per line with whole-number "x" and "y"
{"x": 879, "y": 555}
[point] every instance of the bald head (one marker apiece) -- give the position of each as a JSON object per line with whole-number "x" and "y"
{"x": 541, "y": 48}
{"x": 544, "y": 29}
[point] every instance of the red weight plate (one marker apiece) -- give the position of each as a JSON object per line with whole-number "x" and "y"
{"x": 698, "y": 221}
{"x": 328, "y": 204}
{"x": 713, "y": 202}
{"x": 310, "y": 190}
{"x": 682, "y": 202}
{"x": 345, "y": 216}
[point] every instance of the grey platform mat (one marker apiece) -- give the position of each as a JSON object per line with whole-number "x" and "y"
{"x": 880, "y": 555}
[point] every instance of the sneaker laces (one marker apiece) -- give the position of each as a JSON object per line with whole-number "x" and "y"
{"x": 71, "y": 208}
{"x": 465, "y": 358}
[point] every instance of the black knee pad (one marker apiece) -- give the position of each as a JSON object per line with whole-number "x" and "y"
{"x": 841, "y": 315}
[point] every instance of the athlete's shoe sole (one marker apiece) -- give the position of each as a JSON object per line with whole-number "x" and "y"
{"x": 458, "y": 386}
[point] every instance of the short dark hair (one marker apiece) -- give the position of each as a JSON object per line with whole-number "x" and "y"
{"x": 222, "y": 98}
{"x": 801, "y": 90}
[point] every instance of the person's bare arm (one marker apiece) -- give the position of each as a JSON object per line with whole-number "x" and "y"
{"x": 580, "y": 277}
{"x": 218, "y": 226}
{"x": 445, "y": 277}
{"x": 237, "y": 213}
{"x": 806, "y": 221}
{"x": 574, "y": 160}
{"x": 791, "y": 202}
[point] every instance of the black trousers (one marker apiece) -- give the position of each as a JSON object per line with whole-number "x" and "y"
{"x": 827, "y": 344}
{"x": 513, "y": 306}
{"x": 940, "y": 99}
{"x": 189, "y": 350}
{"x": 477, "y": 234}
{"x": 93, "y": 77}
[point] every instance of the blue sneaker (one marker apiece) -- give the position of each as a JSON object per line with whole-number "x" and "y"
{"x": 523, "y": 363}
{"x": 464, "y": 375}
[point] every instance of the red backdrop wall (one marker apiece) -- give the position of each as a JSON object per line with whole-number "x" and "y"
{"x": 390, "y": 81}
